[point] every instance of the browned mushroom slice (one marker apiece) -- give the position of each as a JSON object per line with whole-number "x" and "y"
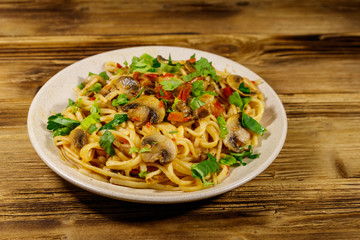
{"x": 128, "y": 85}
{"x": 237, "y": 136}
{"x": 78, "y": 138}
{"x": 160, "y": 59}
{"x": 161, "y": 148}
{"x": 145, "y": 109}
{"x": 234, "y": 81}
{"x": 189, "y": 66}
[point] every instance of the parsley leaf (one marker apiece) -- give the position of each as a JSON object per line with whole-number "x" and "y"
{"x": 228, "y": 160}
{"x": 120, "y": 100}
{"x": 93, "y": 118}
{"x": 236, "y": 99}
{"x": 202, "y": 169}
{"x": 246, "y": 153}
{"x": 102, "y": 74}
{"x": 81, "y": 86}
{"x": 170, "y": 85}
{"x": 143, "y": 174}
{"x": 144, "y": 149}
{"x": 252, "y": 124}
{"x": 244, "y": 89}
{"x": 222, "y": 124}
{"x": 195, "y": 103}
{"x": 203, "y": 68}
{"x": 191, "y": 76}
{"x": 60, "y": 125}
{"x": 145, "y": 63}
{"x": 95, "y": 88}
{"x": 133, "y": 150}
{"x": 71, "y": 103}
{"x": 106, "y": 142}
{"x": 245, "y": 101}
{"x": 90, "y": 120}
{"x": 118, "y": 119}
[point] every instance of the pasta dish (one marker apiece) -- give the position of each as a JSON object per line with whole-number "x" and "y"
{"x": 161, "y": 124}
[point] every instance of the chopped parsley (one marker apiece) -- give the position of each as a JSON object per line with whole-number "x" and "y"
{"x": 81, "y": 86}
{"x": 143, "y": 174}
{"x": 244, "y": 89}
{"x": 195, "y": 103}
{"x": 60, "y": 125}
{"x": 170, "y": 85}
{"x": 135, "y": 150}
{"x": 118, "y": 119}
{"x": 222, "y": 124}
{"x": 106, "y": 142}
{"x": 202, "y": 169}
{"x": 92, "y": 119}
{"x": 95, "y": 88}
{"x": 252, "y": 124}
{"x": 203, "y": 68}
{"x": 120, "y": 100}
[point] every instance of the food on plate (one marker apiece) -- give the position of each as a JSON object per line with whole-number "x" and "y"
{"x": 160, "y": 123}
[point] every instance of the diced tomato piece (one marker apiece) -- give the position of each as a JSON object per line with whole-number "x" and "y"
{"x": 136, "y": 75}
{"x": 184, "y": 93}
{"x": 217, "y": 109}
{"x": 161, "y": 104}
{"x": 118, "y": 65}
{"x": 168, "y": 75}
{"x": 152, "y": 76}
{"x": 122, "y": 140}
{"x": 161, "y": 93}
{"x": 92, "y": 98}
{"x": 178, "y": 117}
{"x": 134, "y": 119}
{"x": 192, "y": 60}
{"x": 227, "y": 92}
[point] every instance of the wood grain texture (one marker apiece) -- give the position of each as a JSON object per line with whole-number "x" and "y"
{"x": 309, "y": 52}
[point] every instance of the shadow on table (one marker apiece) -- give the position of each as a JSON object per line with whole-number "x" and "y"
{"x": 140, "y": 212}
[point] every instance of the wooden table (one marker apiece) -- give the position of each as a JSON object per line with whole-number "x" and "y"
{"x": 308, "y": 51}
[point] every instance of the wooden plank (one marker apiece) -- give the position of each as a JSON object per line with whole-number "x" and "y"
{"x": 166, "y": 17}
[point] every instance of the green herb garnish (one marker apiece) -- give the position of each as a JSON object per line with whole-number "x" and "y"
{"x": 60, "y": 125}
{"x": 195, "y": 103}
{"x": 118, "y": 119}
{"x": 170, "y": 85}
{"x": 202, "y": 169}
{"x": 106, "y": 142}
{"x": 222, "y": 124}
{"x": 120, "y": 100}
{"x": 252, "y": 124}
{"x": 95, "y": 88}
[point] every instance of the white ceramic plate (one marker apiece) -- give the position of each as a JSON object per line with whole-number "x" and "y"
{"x": 54, "y": 95}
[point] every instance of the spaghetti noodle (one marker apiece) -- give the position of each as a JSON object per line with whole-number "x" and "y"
{"x": 161, "y": 124}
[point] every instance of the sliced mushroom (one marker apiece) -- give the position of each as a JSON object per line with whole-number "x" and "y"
{"x": 234, "y": 81}
{"x": 237, "y": 136}
{"x": 78, "y": 138}
{"x": 162, "y": 149}
{"x": 128, "y": 85}
{"x": 145, "y": 109}
{"x": 160, "y": 59}
{"x": 149, "y": 91}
